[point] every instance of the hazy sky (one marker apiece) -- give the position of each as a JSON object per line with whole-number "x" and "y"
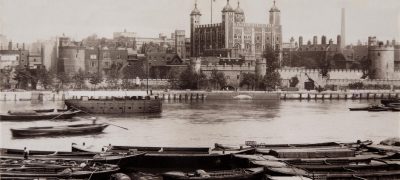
{"x": 29, "y": 20}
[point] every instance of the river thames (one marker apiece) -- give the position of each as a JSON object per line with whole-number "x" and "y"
{"x": 203, "y": 123}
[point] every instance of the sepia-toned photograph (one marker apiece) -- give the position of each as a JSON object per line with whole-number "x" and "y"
{"x": 200, "y": 89}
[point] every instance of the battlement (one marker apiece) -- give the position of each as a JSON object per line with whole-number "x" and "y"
{"x": 208, "y": 25}
{"x": 252, "y": 25}
{"x": 227, "y": 68}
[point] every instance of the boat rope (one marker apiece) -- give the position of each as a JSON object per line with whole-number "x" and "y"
{"x": 91, "y": 174}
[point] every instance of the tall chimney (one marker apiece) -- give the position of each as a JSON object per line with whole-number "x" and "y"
{"x": 10, "y": 45}
{"x": 343, "y": 30}
{"x": 339, "y": 42}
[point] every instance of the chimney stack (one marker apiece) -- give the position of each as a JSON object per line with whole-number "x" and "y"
{"x": 330, "y": 41}
{"x": 323, "y": 40}
{"x": 308, "y": 42}
{"x": 315, "y": 40}
{"x": 300, "y": 40}
{"x": 10, "y": 45}
{"x": 23, "y": 46}
{"x": 339, "y": 42}
{"x": 343, "y": 30}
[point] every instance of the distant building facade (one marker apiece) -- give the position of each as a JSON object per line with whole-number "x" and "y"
{"x": 233, "y": 37}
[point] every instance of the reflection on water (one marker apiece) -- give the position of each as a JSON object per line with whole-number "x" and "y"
{"x": 203, "y": 123}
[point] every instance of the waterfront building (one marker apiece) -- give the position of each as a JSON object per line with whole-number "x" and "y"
{"x": 13, "y": 57}
{"x": 71, "y": 57}
{"x": 124, "y": 34}
{"x": 382, "y": 59}
{"x": 100, "y": 60}
{"x": 35, "y": 61}
{"x": 234, "y": 37}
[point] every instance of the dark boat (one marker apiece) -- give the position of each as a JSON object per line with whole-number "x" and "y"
{"x": 33, "y": 115}
{"x": 235, "y": 174}
{"x": 386, "y": 102}
{"x": 122, "y": 160}
{"x": 360, "y": 109}
{"x": 76, "y": 129}
{"x": 50, "y": 110}
{"x": 254, "y": 144}
{"x": 176, "y": 157}
{"x": 116, "y": 105}
{"x": 50, "y": 172}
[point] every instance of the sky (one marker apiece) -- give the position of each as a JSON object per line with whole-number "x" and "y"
{"x": 31, "y": 20}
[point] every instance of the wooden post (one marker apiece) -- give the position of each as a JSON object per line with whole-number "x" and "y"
{"x": 202, "y": 96}
{"x": 345, "y": 96}
{"x": 284, "y": 96}
{"x": 300, "y": 96}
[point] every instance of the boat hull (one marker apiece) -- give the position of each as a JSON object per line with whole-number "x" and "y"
{"x": 116, "y": 106}
{"x": 32, "y": 117}
{"x": 244, "y": 174}
{"x": 65, "y": 130}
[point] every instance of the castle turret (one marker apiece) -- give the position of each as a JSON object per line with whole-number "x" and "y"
{"x": 228, "y": 18}
{"x": 261, "y": 67}
{"x": 274, "y": 15}
{"x": 239, "y": 14}
{"x": 382, "y": 61}
{"x": 194, "y": 21}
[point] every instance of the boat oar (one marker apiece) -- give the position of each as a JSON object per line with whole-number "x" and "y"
{"x": 59, "y": 115}
{"x": 103, "y": 122}
{"x": 116, "y": 126}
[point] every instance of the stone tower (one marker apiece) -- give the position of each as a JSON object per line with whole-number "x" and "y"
{"x": 276, "y": 30}
{"x": 228, "y": 19}
{"x": 261, "y": 67}
{"x": 382, "y": 60}
{"x": 239, "y": 14}
{"x": 194, "y": 21}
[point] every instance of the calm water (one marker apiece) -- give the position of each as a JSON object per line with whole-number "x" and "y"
{"x": 228, "y": 122}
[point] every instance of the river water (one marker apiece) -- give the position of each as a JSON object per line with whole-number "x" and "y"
{"x": 203, "y": 123}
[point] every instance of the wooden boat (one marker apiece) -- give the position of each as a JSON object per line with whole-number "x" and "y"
{"x": 93, "y": 172}
{"x": 254, "y": 144}
{"x": 360, "y": 109}
{"x": 386, "y": 102}
{"x": 115, "y": 105}
{"x": 235, "y": 174}
{"x": 105, "y": 157}
{"x": 76, "y": 129}
{"x": 382, "y": 174}
{"x": 50, "y": 110}
{"x": 20, "y": 152}
{"x": 33, "y": 115}
{"x": 175, "y": 157}
{"x": 122, "y": 160}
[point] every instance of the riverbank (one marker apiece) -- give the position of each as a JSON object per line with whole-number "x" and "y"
{"x": 203, "y": 95}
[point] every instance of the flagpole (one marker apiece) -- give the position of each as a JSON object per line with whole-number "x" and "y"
{"x": 211, "y": 1}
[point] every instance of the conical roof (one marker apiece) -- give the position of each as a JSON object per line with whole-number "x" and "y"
{"x": 195, "y": 11}
{"x": 228, "y": 7}
{"x": 239, "y": 10}
{"x": 274, "y": 8}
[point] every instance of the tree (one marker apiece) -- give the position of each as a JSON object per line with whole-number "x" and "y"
{"x": 365, "y": 67}
{"x": 79, "y": 79}
{"x": 63, "y": 78}
{"x": 5, "y": 79}
{"x": 22, "y": 76}
{"x": 113, "y": 74}
{"x": 249, "y": 80}
{"x": 272, "y": 77}
{"x": 294, "y": 81}
{"x": 172, "y": 76}
{"x": 217, "y": 79}
{"x": 189, "y": 79}
{"x": 95, "y": 79}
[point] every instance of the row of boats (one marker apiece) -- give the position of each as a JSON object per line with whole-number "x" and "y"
{"x": 358, "y": 160}
{"x": 385, "y": 105}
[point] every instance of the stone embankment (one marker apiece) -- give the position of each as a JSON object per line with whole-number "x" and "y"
{"x": 203, "y": 95}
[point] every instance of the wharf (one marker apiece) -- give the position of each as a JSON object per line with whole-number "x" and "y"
{"x": 190, "y": 95}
